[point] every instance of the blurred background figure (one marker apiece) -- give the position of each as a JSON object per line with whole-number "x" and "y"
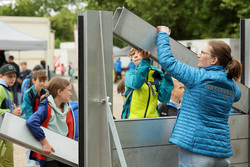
{"x": 131, "y": 65}
{"x": 118, "y": 70}
{"x": 22, "y": 75}
{"x": 2, "y": 58}
{"x": 71, "y": 71}
{"x": 43, "y": 63}
{"x": 62, "y": 70}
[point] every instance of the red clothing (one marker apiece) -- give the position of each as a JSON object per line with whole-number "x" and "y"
{"x": 70, "y": 122}
{"x": 36, "y": 104}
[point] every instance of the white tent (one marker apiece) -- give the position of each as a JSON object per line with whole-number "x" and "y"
{"x": 14, "y": 40}
{"x": 121, "y": 52}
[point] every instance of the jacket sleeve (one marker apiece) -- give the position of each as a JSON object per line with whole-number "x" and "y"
{"x": 135, "y": 79}
{"x": 26, "y": 106}
{"x": 188, "y": 75}
{"x": 35, "y": 120}
{"x": 2, "y": 97}
{"x": 165, "y": 88}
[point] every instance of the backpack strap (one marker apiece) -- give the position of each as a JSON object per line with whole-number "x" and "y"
{"x": 129, "y": 94}
{"x": 9, "y": 102}
{"x": 46, "y": 121}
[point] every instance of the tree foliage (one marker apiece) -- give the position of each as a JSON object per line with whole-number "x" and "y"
{"x": 37, "y": 8}
{"x": 188, "y": 19}
{"x": 63, "y": 23}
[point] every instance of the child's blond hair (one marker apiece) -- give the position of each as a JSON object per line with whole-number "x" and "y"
{"x": 131, "y": 52}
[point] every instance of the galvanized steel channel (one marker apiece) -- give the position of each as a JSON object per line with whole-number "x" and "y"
{"x": 14, "y": 129}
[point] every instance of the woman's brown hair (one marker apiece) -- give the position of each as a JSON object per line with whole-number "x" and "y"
{"x": 54, "y": 85}
{"x": 222, "y": 51}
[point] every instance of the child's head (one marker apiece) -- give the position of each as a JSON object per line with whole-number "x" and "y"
{"x": 59, "y": 88}
{"x": 39, "y": 78}
{"x": 121, "y": 86}
{"x": 178, "y": 91}
{"x": 24, "y": 66}
{"x": 38, "y": 67}
{"x": 8, "y": 74}
{"x": 135, "y": 56}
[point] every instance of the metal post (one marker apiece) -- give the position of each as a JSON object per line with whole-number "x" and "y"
{"x": 95, "y": 44}
{"x": 245, "y": 50}
{"x": 245, "y": 60}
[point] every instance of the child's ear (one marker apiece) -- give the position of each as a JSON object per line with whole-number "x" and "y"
{"x": 1, "y": 75}
{"x": 33, "y": 80}
{"x": 59, "y": 92}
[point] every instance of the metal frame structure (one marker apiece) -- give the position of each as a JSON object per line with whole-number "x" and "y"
{"x": 144, "y": 141}
{"x": 245, "y": 50}
{"x": 136, "y": 142}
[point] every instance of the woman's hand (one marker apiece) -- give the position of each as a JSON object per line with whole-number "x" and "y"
{"x": 47, "y": 147}
{"x": 163, "y": 29}
{"x": 144, "y": 54}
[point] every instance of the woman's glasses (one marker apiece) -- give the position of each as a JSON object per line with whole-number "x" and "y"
{"x": 202, "y": 52}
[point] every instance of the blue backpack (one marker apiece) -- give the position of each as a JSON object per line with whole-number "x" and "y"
{"x": 26, "y": 84}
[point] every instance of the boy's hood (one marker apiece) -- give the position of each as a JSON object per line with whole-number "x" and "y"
{"x": 2, "y": 82}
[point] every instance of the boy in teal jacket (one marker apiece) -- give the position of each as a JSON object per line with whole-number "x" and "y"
{"x": 7, "y": 79}
{"x": 144, "y": 87}
{"x": 31, "y": 101}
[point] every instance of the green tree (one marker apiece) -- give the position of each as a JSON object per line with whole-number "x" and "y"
{"x": 188, "y": 19}
{"x": 35, "y": 7}
{"x": 63, "y": 23}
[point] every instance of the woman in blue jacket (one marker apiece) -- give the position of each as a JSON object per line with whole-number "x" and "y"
{"x": 201, "y": 129}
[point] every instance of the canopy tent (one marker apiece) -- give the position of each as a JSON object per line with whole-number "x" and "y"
{"x": 121, "y": 52}
{"x": 14, "y": 40}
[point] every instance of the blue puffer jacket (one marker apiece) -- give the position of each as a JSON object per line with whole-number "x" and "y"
{"x": 202, "y": 125}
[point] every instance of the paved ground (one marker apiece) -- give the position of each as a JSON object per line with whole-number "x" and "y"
{"x": 19, "y": 152}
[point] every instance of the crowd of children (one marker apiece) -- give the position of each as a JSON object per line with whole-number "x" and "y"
{"x": 43, "y": 104}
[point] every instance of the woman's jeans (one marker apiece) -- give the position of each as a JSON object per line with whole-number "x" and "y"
{"x": 190, "y": 159}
